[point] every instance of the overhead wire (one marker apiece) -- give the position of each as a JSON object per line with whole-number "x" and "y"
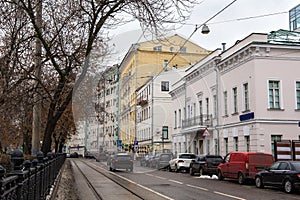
{"x": 197, "y": 27}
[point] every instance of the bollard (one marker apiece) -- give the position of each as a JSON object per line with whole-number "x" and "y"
{"x": 17, "y": 159}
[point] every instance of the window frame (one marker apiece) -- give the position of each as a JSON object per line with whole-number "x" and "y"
{"x": 165, "y": 86}
{"x": 273, "y": 95}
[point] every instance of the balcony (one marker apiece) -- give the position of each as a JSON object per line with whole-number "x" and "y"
{"x": 201, "y": 120}
{"x": 141, "y": 101}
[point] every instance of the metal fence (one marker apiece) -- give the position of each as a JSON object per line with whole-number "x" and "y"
{"x": 30, "y": 180}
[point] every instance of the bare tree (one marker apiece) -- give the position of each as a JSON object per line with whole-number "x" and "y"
{"x": 72, "y": 29}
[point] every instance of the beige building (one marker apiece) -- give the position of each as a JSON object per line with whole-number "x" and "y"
{"x": 241, "y": 99}
{"x": 141, "y": 62}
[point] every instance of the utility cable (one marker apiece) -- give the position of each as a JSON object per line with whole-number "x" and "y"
{"x": 198, "y": 26}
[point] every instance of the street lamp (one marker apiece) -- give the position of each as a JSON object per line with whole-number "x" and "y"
{"x": 205, "y": 29}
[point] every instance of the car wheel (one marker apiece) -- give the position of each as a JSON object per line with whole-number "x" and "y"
{"x": 201, "y": 172}
{"x": 288, "y": 186}
{"x": 176, "y": 169}
{"x": 241, "y": 179}
{"x": 259, "y": 182}
{"x": 169, "y": 168}
{"x": 191, "y": 171}
{"x": 220, "y": 176}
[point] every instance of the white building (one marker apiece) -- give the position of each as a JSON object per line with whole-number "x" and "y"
{"x": 154, "y": 105}
{"x": 245, "y": 97}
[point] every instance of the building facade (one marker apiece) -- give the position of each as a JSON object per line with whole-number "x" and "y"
{"x": 154, "y": 105}
{"x": 107, "y": 109}
{"x": 241, "y": 99}
{"x": 141, "y": 62}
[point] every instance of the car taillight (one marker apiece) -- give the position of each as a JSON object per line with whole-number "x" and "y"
{"x": 247, "y": 165}
{"x": 205, "y": 164}
{"x": 298, "y": 175}
{"x": 179, "y": 161}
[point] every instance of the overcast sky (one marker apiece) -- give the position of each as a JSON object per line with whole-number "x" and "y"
{"x": 228, "y": 27}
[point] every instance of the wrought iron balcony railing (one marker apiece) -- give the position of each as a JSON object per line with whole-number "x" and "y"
{"x": 200, "y": 120}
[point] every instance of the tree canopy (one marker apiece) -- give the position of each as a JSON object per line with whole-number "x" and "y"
{"x": 70, "y": 31}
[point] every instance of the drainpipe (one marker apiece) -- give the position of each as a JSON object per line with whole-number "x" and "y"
{"x": 217, "y": 107}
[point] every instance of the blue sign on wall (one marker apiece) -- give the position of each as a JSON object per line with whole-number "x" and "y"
{"x": 299, "y": 124}
{"x": 247, "y": 116}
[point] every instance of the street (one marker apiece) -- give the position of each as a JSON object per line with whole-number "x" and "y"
{"x": 183, "y": 186}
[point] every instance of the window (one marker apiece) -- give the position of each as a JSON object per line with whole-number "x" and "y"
{"x": 273, "y": 139}
{"x": 207, "y": 107}
{"x": 166, "y": 62}
{"x": 274, "y": 98}
{"x": 165, "y": 86}
{"x": 298, "y": 95}
{"x": 246, "y": 96}
{"x": 179, "y": 117}
{"x": 175, "y": 119}
{"x": 216, "y": 146}
{"x": 200, "y": 108}
{"x": 225, "y": 103}
{"x": 235, "y": 100}
{"x": 236, "y": 143}
{"x": 294, "y": 16}
{"x": 215, "y": 105}
{"x": 226, "y": 145}
{"x": 157, "y": 48}
{"x": 182, "y": 50}
{"x": 194, "y": 110}
{"x": 172, "y": 49}
{"x": 247, "y": 143}
{"x": 207, "y": 147}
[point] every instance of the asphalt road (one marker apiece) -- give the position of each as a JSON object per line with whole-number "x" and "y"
{"x": 182, "y": 186}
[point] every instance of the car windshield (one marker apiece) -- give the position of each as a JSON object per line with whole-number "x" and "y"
{"x": 188, "y": 156}
{"x": 123, "y": 157}
{"x": 214, "y": 159}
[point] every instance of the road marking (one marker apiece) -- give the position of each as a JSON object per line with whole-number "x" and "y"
{"x": 175, "y": 181}
{"x": 228, "y": 195}
{"x": 160, "y": 177}
{"x": 150, "y": 175}
{"x": 197, "y": 187}
{"x": 122, "y": 177}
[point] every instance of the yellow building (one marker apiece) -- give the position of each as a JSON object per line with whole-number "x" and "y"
{"x": 142, "y": 61}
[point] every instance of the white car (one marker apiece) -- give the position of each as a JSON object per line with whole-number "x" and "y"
{"x": 181, "y": 162}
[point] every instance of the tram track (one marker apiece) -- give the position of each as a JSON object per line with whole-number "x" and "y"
{"x": 114, "y": 180}
{"x": 88, "y": 182}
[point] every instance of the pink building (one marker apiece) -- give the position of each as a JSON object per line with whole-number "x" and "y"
{"x": 246, "y": 97}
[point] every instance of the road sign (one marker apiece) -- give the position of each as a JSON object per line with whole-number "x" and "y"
{"x": 119, "y": 143}
{"x": 206, "y": 133}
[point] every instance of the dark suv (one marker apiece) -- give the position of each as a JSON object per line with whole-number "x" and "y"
{"x": 121, "y": 161}
{"x": 205, "y": 164}
{"x": 161, "y": 160}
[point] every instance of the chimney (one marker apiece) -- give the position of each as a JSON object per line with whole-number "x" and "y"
{"x": 223, "y": 46}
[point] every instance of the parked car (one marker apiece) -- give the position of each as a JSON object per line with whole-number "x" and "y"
{"x": 109, "y": 158}
{"x": 145, "y": 161}
{"x": 149, "y": 161}
{"x": 243, "y": 165}
{"x": 101, "y": 157}
{"x": 161, "y": 160}
{"x": 181, "y": 162}
{"x": 205, "y": 164}
{"x": 121, "y": 161}
{"x": 282, "y": 174}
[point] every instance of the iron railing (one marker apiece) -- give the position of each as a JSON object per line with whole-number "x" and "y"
{"x": 30, "y": 180}
{"x": 202, "y": 120}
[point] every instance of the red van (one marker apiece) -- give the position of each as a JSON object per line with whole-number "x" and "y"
{"x": 243, "y": 165}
